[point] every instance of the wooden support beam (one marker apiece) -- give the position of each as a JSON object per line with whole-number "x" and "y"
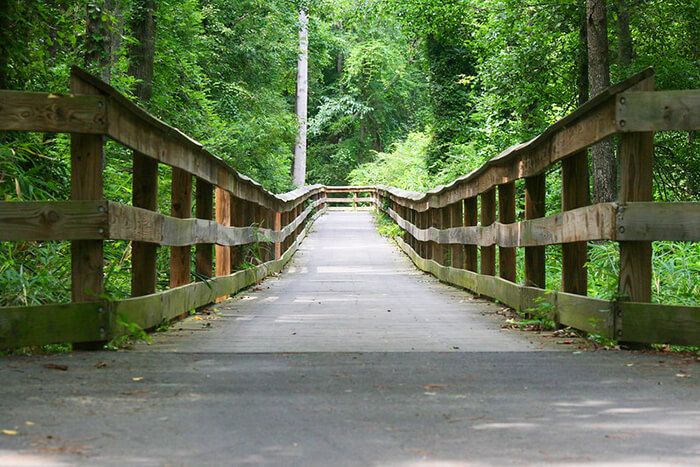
{"x": 204, "y": 207}
{"x": 636, "y": 165}
{"x": 87, "y": 165}
{"x": 471, "y": 218}
{"x": 488, "y": 217}
{"x": 180, "y": 207}
{"x": 456, "y": 215}
{"x": 575, "y": 193}
{"x": 143, "y": 254}
{"x": 223, "y": 217}
{"x": 506, "y": 215}
{"x": 535, "y": 272}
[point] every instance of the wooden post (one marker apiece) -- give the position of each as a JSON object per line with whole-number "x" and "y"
{"x": 535, "y": 272}
{"x": 143, "y": 255}
{"x": 636, "y": 164}
{"x": 278, "y": 227}
{"x": 488, "y": 217}
{"x": 354, "y": 200}
{"x": 471, "y": 216}
{"x": 223, "y": 217}
{"x": 435, "y": 218}
{"x": 204, "y": 210}
{"x": 575, "y": 194}
{"x": 445, "y": 222}
{"x": 181, "y": 207}
{"x": 456, "y": 214}
{"x": 87, "y": 164}
{"x": 506, "y": 215}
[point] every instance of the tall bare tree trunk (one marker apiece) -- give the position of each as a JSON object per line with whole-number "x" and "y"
{"x": 582, "y": 59}
{"x": 299, "y": 170}
{"x": 604, "y": 163}
{"x": 141, "y": 55}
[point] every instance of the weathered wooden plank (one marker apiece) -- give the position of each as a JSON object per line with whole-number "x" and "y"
{"x": 40, "y": 111}
{"x": 87, "y": 165}
{"x": 488, "y": 217}
{"x": 589, "y": 223}
{"x": 204, "y": 209}
{"x": 585, "y": 313}
{"x": 575, "y": 193}
{"x": 456, "y": 219}
{"x": 350, "y": 200}
{"x": 535, "y": 196}
{"x": 471, "y": 216}
{"x": 53, "y": 220}
{"x": 636, "y": 157}
{"x": 53, "y": 324}
{"x": 180, "y": 207}
{"x": 143, "y": 254}
{"x": 652, "y": 323}
{"x": 658, "y": 221}
{"x": 658, "y": 110}
{"x": 506, "y": 215}
{"x": 223, "y": 217}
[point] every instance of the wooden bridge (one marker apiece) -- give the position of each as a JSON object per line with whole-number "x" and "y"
{"x": 452, "y": 231}
{"x": 351, "y": 356}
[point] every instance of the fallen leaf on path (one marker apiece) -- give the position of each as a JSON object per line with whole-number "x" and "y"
{"x": 29, "y": 423}
{"x": 100, "y": 365}
{"x": 10, "y": 432}
{"x": 682, "y": 375}
{"x": 138, "y": 378}
{"x": 197, "y": 318}
{"x": 431, "y": 386}
{"x": 56, "y": 366}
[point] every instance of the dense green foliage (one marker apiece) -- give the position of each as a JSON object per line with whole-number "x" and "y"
{"x": 411, "y": 94}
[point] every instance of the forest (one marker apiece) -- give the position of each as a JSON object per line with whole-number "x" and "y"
{"x": 411, "y": 94}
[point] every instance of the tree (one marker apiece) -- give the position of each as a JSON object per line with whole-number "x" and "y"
{"x": 302, "y": 96}
{"x": 604, "y": 163}
{"x": 142, "y": 52}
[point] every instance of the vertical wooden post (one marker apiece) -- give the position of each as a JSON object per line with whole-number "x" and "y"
{"x": 204, "y": 210}
{"x": 223, "y": 217}
{"x": 278, "y": 227}
{"x": 435, "y": 247}
{"x": 143, "y": 254}
{"x": 535, "y": 272}
{"x": 354, "y": 200}
{"x": 456, "y": 220}
{"x": 506, "y": 215}
{"x": 237, "y": 210}
{"x": 575, "y": 194}
{"x": 636, "y": 164}
{"x": 445, "y": 249}
{"x": 87, "y": 164}
{"x": 181, "y": 207}
{"x": 488, "y": 217}
{"x": 471, "y": 217}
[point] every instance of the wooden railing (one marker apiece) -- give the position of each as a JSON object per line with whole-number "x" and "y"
{"x": 244, "y": 213}
{"x": 446, "y": 228}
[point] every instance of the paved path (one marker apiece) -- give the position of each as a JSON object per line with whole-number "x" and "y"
{"x": 350, "y": 290}
{"x": 388, "y": 399}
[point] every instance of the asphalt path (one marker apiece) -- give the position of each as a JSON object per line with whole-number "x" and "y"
{"x": 350, "y": 357}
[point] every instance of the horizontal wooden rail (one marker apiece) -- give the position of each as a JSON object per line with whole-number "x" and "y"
{"x": 350, "y": 200}
{"x": 607, "y": 221}
{"x": 101, "y": 320}
{"x": 41, "y": 111}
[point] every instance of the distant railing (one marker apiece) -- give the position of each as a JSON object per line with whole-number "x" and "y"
{"x": 243, "y": 213}
{"x": 446, "y": 227}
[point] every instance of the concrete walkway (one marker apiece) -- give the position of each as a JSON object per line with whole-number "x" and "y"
{"x": 342, "y": 381}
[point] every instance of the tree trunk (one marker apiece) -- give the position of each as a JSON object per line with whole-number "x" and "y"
{"x": 98, "y": 47}
{"x": 299, "y": 169}
{"x": 625, "y": 49}
{"x": 604, "y": 164}
{"x": 143, "y": 27}
{"x": 582, "y": 59}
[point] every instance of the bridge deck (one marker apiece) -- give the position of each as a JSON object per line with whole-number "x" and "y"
{"x": 349, "y": 289}
{"x": 198, "y": 400}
